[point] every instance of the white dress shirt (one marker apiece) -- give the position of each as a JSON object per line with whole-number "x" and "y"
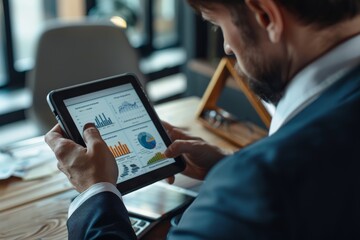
{"x": 314, "y": 79}
{"x": 91, "y": 191}
{"x": 305, "y": 88}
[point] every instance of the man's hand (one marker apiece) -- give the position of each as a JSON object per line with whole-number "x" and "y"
{"x": 83, "y": 166}
{"x": 199, "y": 155}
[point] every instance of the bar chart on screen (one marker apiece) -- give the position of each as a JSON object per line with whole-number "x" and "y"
{"x": 158, "y": 157}
{"x": 119, "y": 150}
{"x": 118, "y": 144}
{"x": 98, "y": 112}
{"x": 102, "y": 120}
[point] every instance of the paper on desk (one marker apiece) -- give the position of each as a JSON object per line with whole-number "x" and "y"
{"x": 7, "y": 166}
{"x": 44, "y": 170}
{"x": 35, "y": 163}
{"x": 29, "y": 162}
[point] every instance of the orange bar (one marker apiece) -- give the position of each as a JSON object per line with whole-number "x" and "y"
{"x": 127, "y": 149}
{"x": 124, "y": 148}
{"x": 111, "y": 150}
{"x": 116, "y": 154}
{"x": 121, "y": 149}
{"x": 116, "y": 150}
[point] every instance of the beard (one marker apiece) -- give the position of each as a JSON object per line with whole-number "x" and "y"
{"x": 264, "y": 77}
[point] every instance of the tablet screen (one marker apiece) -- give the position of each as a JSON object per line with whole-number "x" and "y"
{"x": 126, "y": 127}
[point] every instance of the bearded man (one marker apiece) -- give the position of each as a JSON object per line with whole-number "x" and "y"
{"x": 300, "y": 182}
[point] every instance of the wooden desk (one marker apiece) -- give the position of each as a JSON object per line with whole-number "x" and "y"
{"x": 38, "y": 209}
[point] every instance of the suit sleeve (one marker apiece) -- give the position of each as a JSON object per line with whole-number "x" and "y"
{"x": 103, "y": 216}
{"x": 234, "y": 203}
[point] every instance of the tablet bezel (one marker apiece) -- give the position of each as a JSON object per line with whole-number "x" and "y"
{"x": 56, "y": 102}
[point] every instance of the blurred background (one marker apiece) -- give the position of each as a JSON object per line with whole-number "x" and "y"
{"x": 178, "y": 51}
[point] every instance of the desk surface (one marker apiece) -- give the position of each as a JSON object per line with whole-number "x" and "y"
{"x": 38, "y": 208}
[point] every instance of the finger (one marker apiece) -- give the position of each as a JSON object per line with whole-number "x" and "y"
{"x": 53, "y": 136}
{"x": 92, "y": 135}
{"x": 57, "y": 128}
{"x": 179, "y": 147}
{"x": 169, "y": 130}
{"x": 177, "y": 133}
{"x": 167, "y": 125}
{"x": 170, "y": 180}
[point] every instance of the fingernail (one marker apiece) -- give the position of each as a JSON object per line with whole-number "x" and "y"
{"x": 89, "y": 125}
{"x": 167, "y": 153}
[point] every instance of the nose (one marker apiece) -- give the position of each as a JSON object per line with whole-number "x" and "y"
{"x": 227, "y": 49}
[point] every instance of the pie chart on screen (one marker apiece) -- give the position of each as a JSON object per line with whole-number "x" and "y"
{"x": 146, "y": 140}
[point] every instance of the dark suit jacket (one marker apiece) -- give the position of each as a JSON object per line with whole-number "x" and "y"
{"x": 303, "y": 182}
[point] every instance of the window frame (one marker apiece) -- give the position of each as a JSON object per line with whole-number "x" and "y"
{"x": 16, "y": 79}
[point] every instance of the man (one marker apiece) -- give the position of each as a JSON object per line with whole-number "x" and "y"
{"x": 301, "y": 182}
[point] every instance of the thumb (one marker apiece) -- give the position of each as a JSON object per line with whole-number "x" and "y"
{"x": 91, "y": 134}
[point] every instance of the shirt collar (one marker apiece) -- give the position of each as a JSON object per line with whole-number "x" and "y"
{"x": 314, "y": 79}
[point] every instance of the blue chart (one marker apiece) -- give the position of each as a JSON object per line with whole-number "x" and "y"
{"x": 146, "y": 140}
{"x": 126, "y": 107}
{"x": 102, "y": 121}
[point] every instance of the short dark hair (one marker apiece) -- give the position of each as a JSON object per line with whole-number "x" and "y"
{"x": 322, "y": 13}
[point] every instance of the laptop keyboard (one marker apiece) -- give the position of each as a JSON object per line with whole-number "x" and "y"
{"x": 139, "y": 225}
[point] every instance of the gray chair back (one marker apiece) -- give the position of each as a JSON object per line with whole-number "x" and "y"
{"x": 72, "y": 53}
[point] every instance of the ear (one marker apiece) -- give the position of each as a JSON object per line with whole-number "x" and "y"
{"x": 268, "y": 15}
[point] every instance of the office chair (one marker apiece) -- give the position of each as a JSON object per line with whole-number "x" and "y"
{"x": 76, "y": 52}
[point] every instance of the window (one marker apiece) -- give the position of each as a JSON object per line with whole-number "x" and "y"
{"x": 133, "y": 12}
{"x": 22, "y": 22}
{"x": 165, "y": 23}
{"x": 136, "y": 28}
{"x": 27, "y": 20}
{"x": 154, "y": 27}
{"x": 151, "y": 24}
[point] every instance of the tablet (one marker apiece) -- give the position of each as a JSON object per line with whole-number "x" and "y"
{"x": 126, "y": 120}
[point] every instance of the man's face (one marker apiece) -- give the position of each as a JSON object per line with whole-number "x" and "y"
{"x": 260, "y": 62}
